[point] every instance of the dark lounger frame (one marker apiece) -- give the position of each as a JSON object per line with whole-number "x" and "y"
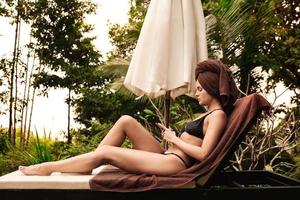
{"x": 228, "y": 185}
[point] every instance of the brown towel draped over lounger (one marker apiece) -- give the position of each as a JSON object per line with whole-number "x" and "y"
{"x": 245, "y": 109}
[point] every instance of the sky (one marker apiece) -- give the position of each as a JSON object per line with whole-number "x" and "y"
{"x": 50, "y": 114}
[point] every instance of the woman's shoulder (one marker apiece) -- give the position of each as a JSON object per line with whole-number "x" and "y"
{"x": 219, "y": 112}
{"x": 218, "y": 116}
{"x": 216, "y": 113}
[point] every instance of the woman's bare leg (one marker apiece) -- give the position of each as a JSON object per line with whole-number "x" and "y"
{"x": 82, "y": 163}
{"x": 139, "y": 161}
{"x": 140, "y": 137}
{"x": 131, "y": 160}
{"x": 125, "y": 126}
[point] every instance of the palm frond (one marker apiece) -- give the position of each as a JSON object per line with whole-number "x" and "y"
{"x": 211, "y": 23}
{"x": 117, "y": 67}
{"x": 234, "y": 22}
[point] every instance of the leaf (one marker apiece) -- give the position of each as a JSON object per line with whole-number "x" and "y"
{"x": 149, "y": 112}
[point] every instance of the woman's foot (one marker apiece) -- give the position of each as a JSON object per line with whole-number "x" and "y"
{"x": 39, "y": 169}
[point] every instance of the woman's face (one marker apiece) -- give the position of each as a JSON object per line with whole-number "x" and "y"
{"x": 202, "y": 96}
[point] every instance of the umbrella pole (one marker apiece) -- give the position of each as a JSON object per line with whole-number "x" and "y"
{"x": 167, "y": 114}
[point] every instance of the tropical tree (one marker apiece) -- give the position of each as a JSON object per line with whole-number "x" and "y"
{"x": 4, "y": 93}
{"x": 124, "y": 38}
{"x": 14, "y": 10}
{"x": 237, "y": 30}
{"x": 3, "y": 12}
{"x": 4, "y": 8}
{"x": 67, "y": 54}
{"x": 281, "y": 47}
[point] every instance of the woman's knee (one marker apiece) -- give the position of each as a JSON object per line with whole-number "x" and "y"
{"x": 105, "y": 152}
{"x": 101, "y": 152}
{"x": 126, "y": 120}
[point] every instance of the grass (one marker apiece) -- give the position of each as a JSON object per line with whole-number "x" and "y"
{"x": 37, "y": 151}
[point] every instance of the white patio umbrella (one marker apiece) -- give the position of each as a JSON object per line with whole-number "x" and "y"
{"x": 171, "y": 43}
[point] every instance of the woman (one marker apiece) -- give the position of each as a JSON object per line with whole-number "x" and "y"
{"x": 215, "y": 89}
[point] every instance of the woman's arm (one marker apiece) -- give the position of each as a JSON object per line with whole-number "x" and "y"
{"x": 216, "y": 125}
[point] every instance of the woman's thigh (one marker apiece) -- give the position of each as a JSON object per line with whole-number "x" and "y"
{"x": 138, "y": 161}
{"x": 140, "y": 137}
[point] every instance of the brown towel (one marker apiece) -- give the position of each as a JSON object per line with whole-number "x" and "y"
{"x": 245, "y": 109}
{"x": 216, "y": 78}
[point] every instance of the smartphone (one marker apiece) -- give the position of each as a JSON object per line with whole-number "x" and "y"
{"x": 161, "y": 126}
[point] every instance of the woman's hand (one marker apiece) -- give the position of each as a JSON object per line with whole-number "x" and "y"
{"x": 168, "y": 134}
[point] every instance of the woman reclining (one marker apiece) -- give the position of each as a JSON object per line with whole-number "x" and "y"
{"x": 216, "y": 90}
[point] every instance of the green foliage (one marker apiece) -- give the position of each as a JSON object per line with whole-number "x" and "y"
{"x": 149, "y": 113}
{"x": 124, "y": 37}
{"x": 62, "y": 44}
{"x": 41, "y": 150}
{"x": 282, "y": 44}
{"x": 256, "y": 33}
{"x": 4, "y": 83}
{"x": 5, "y": 7}
{"x": 237, "y": 30}
{"x": 3, "y": 140}
{"x": 182, "y": 110}
{"x": 67, "y": 56}
{"x": 38, "y": 150}
{"x": 84, "y": 140}
{"x": 83, "y": 144}
{"x": 105, "y": 106}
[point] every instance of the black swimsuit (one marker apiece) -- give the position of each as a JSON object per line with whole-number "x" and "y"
{"x": 178, "y": 156}
{"x": 194, "y": 128}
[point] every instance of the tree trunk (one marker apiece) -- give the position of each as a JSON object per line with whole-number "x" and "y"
{"x": 16, "y": 80}
{"x": 24, "y": 100}
{"x": 69, "y": 117}
{"x": 32, "y": 99}
{"x": 12, "y": 99}
{"x": 27, "y": 136}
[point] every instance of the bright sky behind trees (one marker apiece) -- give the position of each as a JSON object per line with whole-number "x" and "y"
{"x": 50, "y": 114}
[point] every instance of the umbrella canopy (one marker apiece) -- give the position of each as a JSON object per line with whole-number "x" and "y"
{"x": 171, "y": 43}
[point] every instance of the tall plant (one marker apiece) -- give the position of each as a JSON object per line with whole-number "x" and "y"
{"x": 281, "y": 48}
{"x": 62, "y": 46}
{"x": 37, "y": 152}
{"x": 237, "y": 31}
{"x": 16, "y": 72}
